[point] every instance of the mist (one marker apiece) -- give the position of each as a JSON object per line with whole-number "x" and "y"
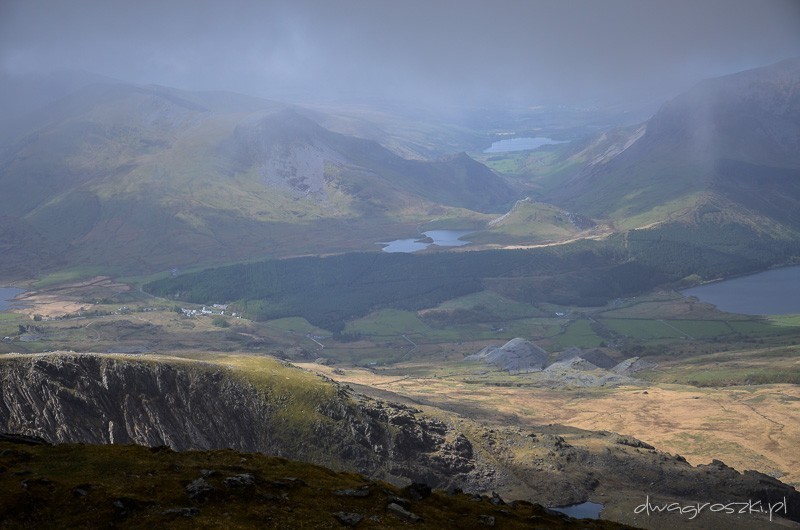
{"x": 448, "y": 52}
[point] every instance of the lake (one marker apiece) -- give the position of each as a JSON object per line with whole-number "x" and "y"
{"x": 7, "y": 295}
{"x": 584, "y": 510}
{"x": 773, "y": 292}
{"x": 521, "y": 144}
{"x": 443, "y": 238}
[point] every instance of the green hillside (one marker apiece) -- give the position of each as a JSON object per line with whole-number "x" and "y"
{"x": 725, "y": 138}
{"x": 145, "y": 178}
{"x": 532, "y": 222}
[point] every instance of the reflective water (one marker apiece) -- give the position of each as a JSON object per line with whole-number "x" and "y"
{"x": 584, "y": 510}
{"x": 773, "y": 292}
{"x": 7, "y": 295}
{"x": 443, "y": 238}
{"x": 521, "y": 144}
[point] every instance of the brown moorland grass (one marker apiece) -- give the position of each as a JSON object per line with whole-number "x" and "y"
{"x": 747, "y": 427}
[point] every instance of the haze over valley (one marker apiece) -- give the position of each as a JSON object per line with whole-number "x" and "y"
{"x": 522, "y": 252}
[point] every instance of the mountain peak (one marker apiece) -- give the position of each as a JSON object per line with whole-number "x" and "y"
{"x": 749, "y": 120}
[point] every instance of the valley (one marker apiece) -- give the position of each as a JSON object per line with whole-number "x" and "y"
{"x": 719, "y": 386}
{"x": 201, "y": 270}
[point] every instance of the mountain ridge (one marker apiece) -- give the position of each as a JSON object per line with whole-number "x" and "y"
{"x": 212, "y": 168}
{"x": 750, "y": 120}
{"x": 157, "y": 400}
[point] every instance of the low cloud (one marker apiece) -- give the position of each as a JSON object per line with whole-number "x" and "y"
{"x": 450, "y": 51}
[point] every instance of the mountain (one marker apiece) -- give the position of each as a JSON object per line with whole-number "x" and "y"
{"x": 146, "y": 177}
{"x": 290, "y": 150}
{"x": 258, "y": 404}
{"x": 727, "y": 146}
{"x": 531, "y": 222}
{"x": 21, "y": 95}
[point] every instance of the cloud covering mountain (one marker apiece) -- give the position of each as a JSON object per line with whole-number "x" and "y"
{"x": 443, "y": 52}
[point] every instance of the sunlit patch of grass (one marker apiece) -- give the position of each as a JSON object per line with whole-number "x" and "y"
{"x": 690, "y": 444}
{"x": 642, "y": 328}
{"x": 785, "y": 320}
{"x": 702, "y": 328}
{"x": 752, "y": 367}
{"x": 69, "y": 275}
{"x": 578, "y": 333}
{"x": 295, "y": 325}
{"x": 754, "y": 327}
{"x": 388, "y": 322}
{"x": 493, "y": 305}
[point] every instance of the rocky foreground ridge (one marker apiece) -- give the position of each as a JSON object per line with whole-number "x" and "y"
{"x": 124, "y": 486}
{"x": 261, "y": 405}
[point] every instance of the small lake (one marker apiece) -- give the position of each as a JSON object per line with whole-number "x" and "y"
{"x": 521, "y": 144}
{"x": 7, "y": 295}
{"x": 443, "y": 238}
{"x": 584, "y": 510}
{"x": 773, "y": 292}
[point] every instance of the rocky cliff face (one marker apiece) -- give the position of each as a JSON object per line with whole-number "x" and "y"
{"x": 189, "y": 405}
{"x": 283, "y": 411}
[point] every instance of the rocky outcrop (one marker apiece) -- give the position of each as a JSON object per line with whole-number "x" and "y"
{"x": 595, "y": 356}
{"x": 515, "y": 356}
{"x": 189, "y": 405}
{"x": 572, "y": 367}
{"x": 183, "y": 404}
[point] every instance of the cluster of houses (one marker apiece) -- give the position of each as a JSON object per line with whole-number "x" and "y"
{"x": 216, "y": 309}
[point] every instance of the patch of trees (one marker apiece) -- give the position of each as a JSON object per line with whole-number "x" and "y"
{"x": 329, "y": 291}
{"x": 708, "y": 250}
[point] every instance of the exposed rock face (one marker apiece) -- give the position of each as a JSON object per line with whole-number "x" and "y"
{"x": 633, "y": 365}
{"x": 595, "y": 356}
{"x": 187, "y": 405}
{"x": 193, "y": 405}
{"x": 573, "y": 367}
{"x": 95, "y": 400}
{"x": 516, "y": 355}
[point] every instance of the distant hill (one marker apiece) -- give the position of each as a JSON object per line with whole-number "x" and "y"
{"x": 146, "y": 177}
{"x": 529, "y": 221}
{"x": 730, "y": 144}
{"x": 290, "y": 150}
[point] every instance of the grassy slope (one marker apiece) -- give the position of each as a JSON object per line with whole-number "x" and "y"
{"x": 148, "y": 178}
{"x": 71, "y": 486}
{"x": 728, "y": 140}
{"x": 530, "y": 222}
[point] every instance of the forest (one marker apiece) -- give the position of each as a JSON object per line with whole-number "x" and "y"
{"x": 329, "y": 291}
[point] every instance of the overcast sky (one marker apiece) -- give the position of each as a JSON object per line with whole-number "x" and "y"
{"x": 528, "y": 51}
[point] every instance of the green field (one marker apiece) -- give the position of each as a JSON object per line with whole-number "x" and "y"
{"x": 493, "y": 305}
{"x": 295, "y": 325}
{"x": 642, "y": 328}
{"x": 578, "y": 333}
{"x": 388, "y": 322}
{"x": 785, "y": 320}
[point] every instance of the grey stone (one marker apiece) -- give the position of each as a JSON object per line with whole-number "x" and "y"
{"x": 402, "y": 512}
{"x": 199, "y": 489}
{"x": 352, "y": 493}
{"x": 348, "y": 518}
{"x": 243, "y": 480}
{"x": 181, "y": 512}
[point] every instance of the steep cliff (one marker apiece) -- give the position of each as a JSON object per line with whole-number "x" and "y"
{"x": 194, "y": 405}
{"x": 258, "y": 404}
